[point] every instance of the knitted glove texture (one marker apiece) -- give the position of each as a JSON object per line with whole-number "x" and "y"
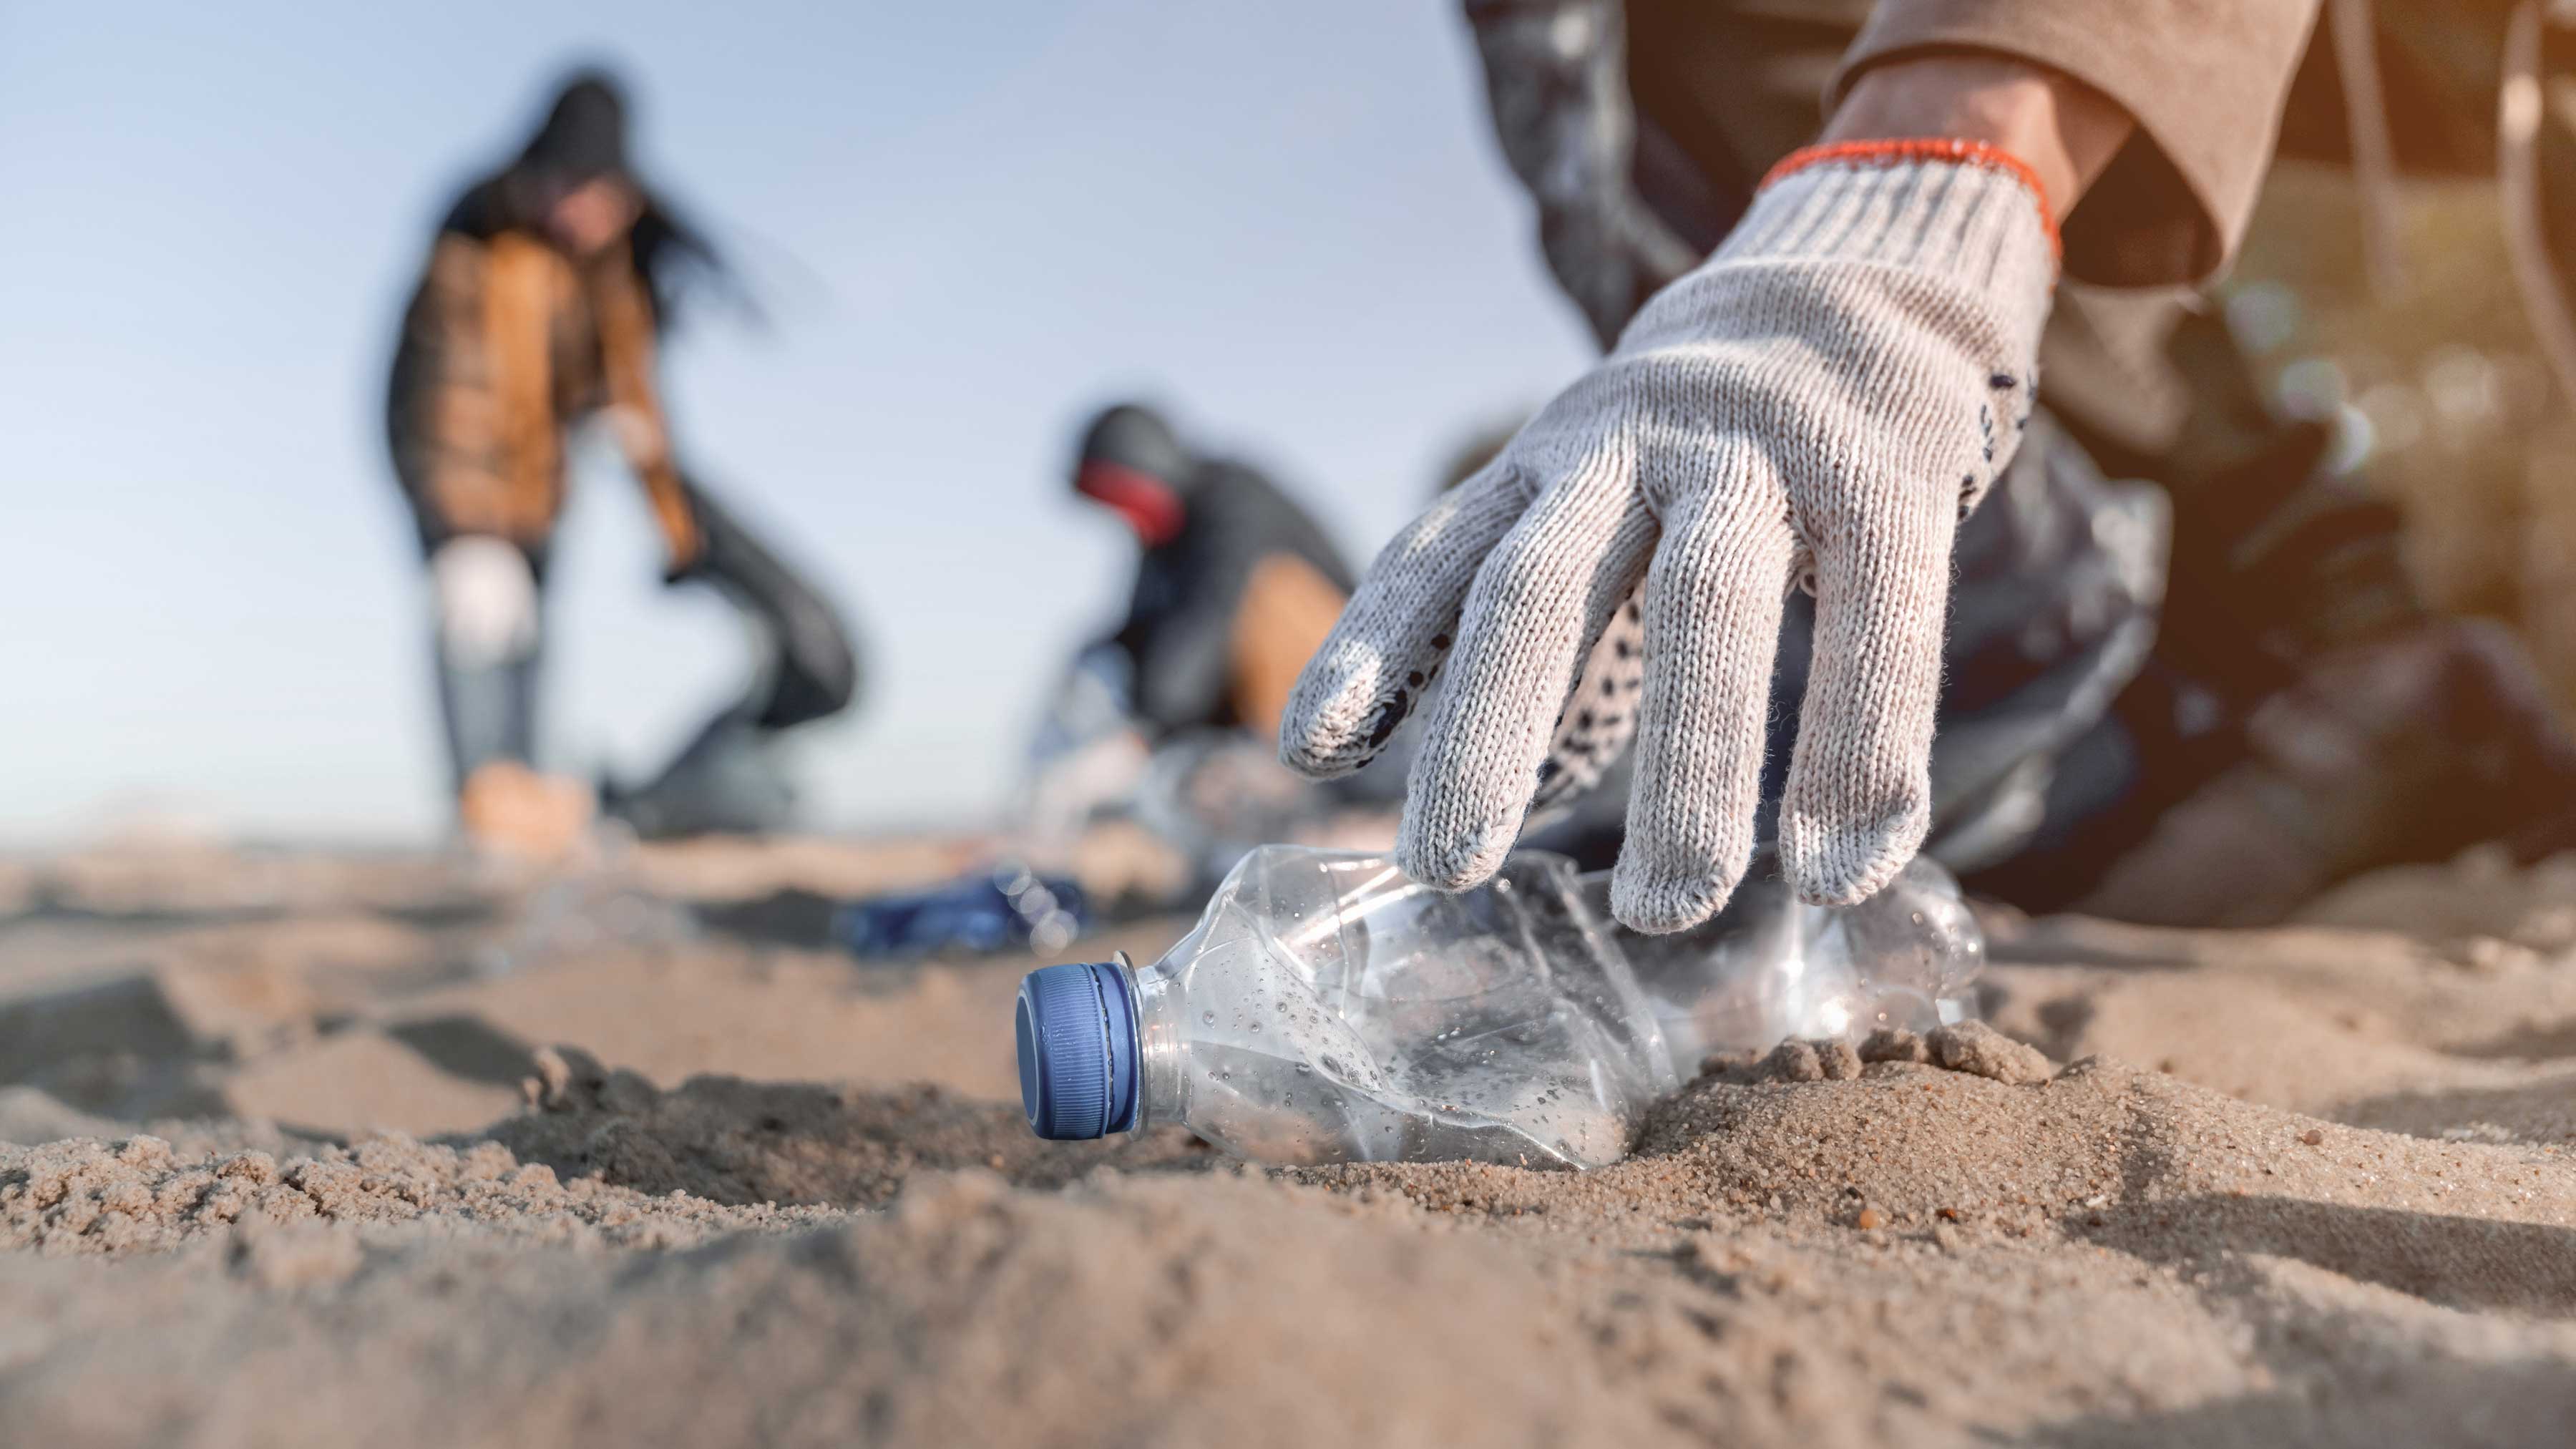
{"x": 1821, "y": 402}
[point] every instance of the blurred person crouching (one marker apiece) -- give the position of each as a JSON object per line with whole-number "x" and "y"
{"x": 1235, "y": 585}
{"x": 1170, "y": 723}
{"x": 548, "y": 288}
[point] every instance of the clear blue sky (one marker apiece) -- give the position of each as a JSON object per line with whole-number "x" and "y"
{"x": 971, "y": 223}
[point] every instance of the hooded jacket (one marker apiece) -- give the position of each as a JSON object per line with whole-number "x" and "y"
{"x": 508, "y": 342}
{"x": 1237, "y": 585}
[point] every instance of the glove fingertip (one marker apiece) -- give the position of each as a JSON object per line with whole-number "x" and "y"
{"x": 1310, "y": 763}
{"x": 1844, "y": 865}
{"x": 1344, "y": 734}
{"x": 1660, "y": 905}
{"x": 1451, "y": 859}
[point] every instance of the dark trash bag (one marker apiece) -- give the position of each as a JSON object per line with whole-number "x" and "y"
{"x": 730, "y": 777}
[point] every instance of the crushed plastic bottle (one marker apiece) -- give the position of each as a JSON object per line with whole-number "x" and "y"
{"x": 1769, "y": 967}
{"x": 1328, "y": 1009}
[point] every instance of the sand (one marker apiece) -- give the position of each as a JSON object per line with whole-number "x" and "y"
{"x": 317, "y": 1148}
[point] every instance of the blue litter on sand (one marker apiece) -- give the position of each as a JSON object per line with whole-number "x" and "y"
{"x": 987, "y": 912}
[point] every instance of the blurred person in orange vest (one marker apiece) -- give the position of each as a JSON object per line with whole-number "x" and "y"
{"x": 547, "y": 291}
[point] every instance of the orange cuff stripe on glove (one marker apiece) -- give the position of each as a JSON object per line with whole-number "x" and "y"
{"x": 1926, "y": 148}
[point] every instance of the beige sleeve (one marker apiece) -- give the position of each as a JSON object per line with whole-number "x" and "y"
{"x": 626, "y": 341}
{"x": 2205, "y": 79}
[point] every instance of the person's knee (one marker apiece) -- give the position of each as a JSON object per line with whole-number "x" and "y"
{"x": 485, "y": 594}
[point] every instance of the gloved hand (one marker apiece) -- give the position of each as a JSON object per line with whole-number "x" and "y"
{"x": 1822, "y": 401}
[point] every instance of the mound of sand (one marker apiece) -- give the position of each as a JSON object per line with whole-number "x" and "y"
{"x": 138, "y": 1195}
{"x": 1895, "y": 1256}
{"x": 1131, "y": 1313}
{"x": 2301, "y": 1186}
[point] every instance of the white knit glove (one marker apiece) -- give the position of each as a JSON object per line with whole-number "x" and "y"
{"x": 1822, "y": 400}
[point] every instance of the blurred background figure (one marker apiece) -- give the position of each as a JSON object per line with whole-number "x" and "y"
{"x": 2199, "y": 697}
{"x": 1235, "y": 584}
{"x": 548, "y": 290}
{"x": 1170, "y": 724}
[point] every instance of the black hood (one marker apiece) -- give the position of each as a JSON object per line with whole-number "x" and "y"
{"x": 583, "y": 139}
{"x": 1137, "y": 438}
{"x": 584, "y": 136}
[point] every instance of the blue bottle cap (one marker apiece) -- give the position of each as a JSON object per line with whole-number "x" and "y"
{"x": 1077, "y": 1041}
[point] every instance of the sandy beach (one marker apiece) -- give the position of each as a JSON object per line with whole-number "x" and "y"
{"x": 313, "y": 1147}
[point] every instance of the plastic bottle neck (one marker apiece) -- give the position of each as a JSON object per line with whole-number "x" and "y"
{"x": 1162, "y": 1046}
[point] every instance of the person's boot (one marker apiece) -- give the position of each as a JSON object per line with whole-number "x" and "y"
{"x": 515, "y": 812}
{"x": 2403, "y": 750}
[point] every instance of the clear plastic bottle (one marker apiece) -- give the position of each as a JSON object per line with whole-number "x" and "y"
{"x": 1769, "y": 967}
{"x": 1327, "y": 1009}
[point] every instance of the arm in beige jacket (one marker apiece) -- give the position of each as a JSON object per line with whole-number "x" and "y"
{"x": 2204, "y": 79}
